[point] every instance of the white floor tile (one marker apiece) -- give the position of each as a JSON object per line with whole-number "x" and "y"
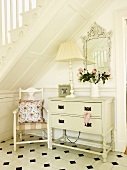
{"x": 43, "y": 158}
{"x": 99, "y": 165}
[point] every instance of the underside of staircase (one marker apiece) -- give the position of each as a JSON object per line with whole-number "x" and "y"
{"x": 33, "y": 46}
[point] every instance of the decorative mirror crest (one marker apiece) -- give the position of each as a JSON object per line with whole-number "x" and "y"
{"x": 97, "y": 48}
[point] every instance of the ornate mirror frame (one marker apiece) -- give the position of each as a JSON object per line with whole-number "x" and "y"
{"x": 96, "y": 32}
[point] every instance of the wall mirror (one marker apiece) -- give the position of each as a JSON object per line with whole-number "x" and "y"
{"x": 97, "y": 48}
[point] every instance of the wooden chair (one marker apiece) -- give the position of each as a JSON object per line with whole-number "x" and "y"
{"x": 29, "y": 117}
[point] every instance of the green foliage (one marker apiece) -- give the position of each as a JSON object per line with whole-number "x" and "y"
{"x": 93, "y": 77}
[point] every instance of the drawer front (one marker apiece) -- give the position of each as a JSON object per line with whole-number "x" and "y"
{"x": 78, "y": 108}
{"x": 76, "y": 123}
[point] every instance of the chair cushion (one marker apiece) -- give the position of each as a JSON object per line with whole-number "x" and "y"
{"x": 30, "y": 111}
{"x": 31, "y": 126}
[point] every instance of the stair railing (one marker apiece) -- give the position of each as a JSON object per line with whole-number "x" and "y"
{"x": 11, "y": 18}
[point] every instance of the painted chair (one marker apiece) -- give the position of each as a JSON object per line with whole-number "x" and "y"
{"x": 29, "y": 118}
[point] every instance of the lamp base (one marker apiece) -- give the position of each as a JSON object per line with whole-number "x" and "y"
{"x": 71, "y": 96}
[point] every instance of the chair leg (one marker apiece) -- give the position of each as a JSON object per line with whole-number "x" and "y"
{"x": 21, "y": 135}
{"x": 14, "y": 139}
{"x": 43, "y": 134}
{"x": 125, "y": 151}
{"x": 14, "y": 132}
{"x": 49, "y": 135}
{"x": 14, "y": 147}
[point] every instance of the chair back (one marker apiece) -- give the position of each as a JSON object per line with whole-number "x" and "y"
{"x": 31, "y": 94}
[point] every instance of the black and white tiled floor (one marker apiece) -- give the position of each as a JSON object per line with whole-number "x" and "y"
{"x": 37, "y": 156}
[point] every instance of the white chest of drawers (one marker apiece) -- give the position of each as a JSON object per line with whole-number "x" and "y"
{"x": 68, "y": 114}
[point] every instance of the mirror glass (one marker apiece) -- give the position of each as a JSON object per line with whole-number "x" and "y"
{"x": 97, "y": 48}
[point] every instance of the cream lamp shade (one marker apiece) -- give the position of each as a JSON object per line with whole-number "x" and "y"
{"x": 69, "y": 51}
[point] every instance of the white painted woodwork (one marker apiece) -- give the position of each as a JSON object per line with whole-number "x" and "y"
{"x": 7, "y": 105}
{"x": 17, "y": 14}
{"x": 5, "y": 21}
{"x": 68, "y": 115}
{"x": 121, "y": 117}
{"x": 11, "y": 14}
{"x": 29, "y": 17}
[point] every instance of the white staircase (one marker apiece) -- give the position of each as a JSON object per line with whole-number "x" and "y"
{"x": 30, "y": 40}
{"x": 16, "y": 18}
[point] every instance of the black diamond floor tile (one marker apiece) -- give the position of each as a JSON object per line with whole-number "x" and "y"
{"x": 3, "y": 141}
{"x": 72, "y": 162}
{"x": 46, "y": 165}
{"x": 89, "y": 167}
{"x": 80, "y": 155}
{"x": 32, "y": 150}
{"x": 115, "y": 163}
{"x": 44, "y": 153}
{"x": 87, "y": 148}
{"x": 21, "y": 147}
{"x": 96, "y": 159}
{"x": 57, "y": 157}
{"x": 42, "y": 145}
{"x": 19, "y": 168}
{"x": 10, "y": 152}
{"x": 6, "y": 163}
{"x": 119, "y": 156}
{"x": 33, "y": 160}
{"x": 20, "y": 156}
{"x": 62, "y": 143}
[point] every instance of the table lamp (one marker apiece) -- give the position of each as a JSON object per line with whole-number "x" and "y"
{"x": 69, "y": 51}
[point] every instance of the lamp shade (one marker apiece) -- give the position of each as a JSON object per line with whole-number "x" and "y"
{"x": 69, "y": 51}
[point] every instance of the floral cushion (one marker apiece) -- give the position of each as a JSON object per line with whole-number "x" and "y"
{"x": 30, "y": 111}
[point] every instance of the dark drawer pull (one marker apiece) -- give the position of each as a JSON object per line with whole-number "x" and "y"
{"x": 88, "y": 125}
{"x": 87, "y": 108}
{"x": 60, "y": 107}
{"x": 61, "y": 121}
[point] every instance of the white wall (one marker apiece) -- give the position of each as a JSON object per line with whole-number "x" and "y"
{"x": 59, "y": 72}
{"x": 7, "y": 105}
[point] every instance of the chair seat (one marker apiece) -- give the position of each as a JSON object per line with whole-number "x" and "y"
{"x": 31, "y": 126}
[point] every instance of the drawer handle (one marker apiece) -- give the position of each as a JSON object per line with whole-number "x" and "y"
{"x": 88, "y": 125}
{"x": 60, "y": 107}
{"x": 61, "y": 121}
{"x": 87, "y": 108}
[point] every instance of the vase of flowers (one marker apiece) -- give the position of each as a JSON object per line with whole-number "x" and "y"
{"x": 94, "y": 78}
